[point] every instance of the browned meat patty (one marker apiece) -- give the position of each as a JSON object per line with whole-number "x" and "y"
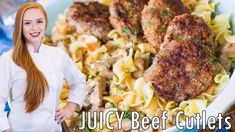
{"x": 189, "y": 27}
{"x": 91, "y": 18}
{"x": 156, "y": 17}
{"x": 182, "y": 70}
{"x": 125, "y": 16}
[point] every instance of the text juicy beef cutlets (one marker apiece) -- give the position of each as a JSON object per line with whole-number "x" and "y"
{"x": 125, "y": 16}
{"x": 156, "y": 17}
{"x": 91, "y": 18}
{"x": 184, "y": 67}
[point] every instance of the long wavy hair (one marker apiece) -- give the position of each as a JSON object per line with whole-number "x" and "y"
{"x": 37, "y": 85}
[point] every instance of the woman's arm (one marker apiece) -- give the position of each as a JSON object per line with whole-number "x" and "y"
{"x": 64, "y": 113}
{"x": 77, "y": 89}
{"x": 4, "y": 90}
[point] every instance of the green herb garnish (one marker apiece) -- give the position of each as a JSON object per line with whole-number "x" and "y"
{"x": 193, "y": 73}
{"x": 130, "y": 1}
{"x": 97, "y": 72}
{"x": 115, "y": 47}
{"x": 166, "y": 13}
{"x": 127, "y": 31}
{"x": 92, "y": 77}
{"x": 151, "y": 87}
{"x": 154, "y": 10}
{"x": 112, "y": 104}
{"x": 148, "y": 22}
{"x": 132, "y": 43}
{"x": 117, "y": 92}
{"x": 211, "y": 58}
{"x": 170, "y": 96}
{"x": 127, "y": 114}
{"x": 213, "y": 15}
{"x": 87, "y": 129}
{"x": 138, "y": 28}
{"x": 175, "y": 86}
{"x": 161, "y": 29}
{"x": 200, "y": 53}
{"x": 171, "y": 1}
{"x": 123, "y": 12}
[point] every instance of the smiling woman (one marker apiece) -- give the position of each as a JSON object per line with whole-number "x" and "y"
{"x": 34, "y": 25}
{"x": 32, "y": 75}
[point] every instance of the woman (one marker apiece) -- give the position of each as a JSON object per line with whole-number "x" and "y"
{"x": 32, "y": 77}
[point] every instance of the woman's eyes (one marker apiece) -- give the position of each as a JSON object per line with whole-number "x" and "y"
{"x": 40, "y": 21}
{"x": 26, "y": 23}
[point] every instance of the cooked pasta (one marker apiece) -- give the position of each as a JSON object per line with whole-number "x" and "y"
{"x": 204, "y": 9}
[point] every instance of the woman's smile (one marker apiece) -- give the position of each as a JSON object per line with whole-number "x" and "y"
{"x": 34, "y": 34}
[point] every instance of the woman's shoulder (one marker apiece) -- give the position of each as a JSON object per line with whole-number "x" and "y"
{"x": 6, "y": 59}
{"x": 6, "y": 56}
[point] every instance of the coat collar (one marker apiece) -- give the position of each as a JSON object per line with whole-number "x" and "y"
{"x": 31, "y": 48}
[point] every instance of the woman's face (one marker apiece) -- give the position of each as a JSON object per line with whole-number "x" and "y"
{"x": 34, "y": 25}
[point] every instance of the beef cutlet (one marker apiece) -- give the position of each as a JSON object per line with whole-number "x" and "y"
{"x": 125, "y": 16}
{"x": 90, "y": 18}
{"x": 156, "y": 17}
{"x": 182, "y": 70}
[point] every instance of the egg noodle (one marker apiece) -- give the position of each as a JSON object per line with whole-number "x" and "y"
{"x": 128, "y": 90}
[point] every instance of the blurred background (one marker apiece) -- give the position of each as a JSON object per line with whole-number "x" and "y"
{"x": 8, "y": 9}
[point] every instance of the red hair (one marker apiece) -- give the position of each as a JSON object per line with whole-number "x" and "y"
{"x": 37, "y": 85}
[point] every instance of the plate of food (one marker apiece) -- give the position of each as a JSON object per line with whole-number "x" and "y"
{"x": 150, "y": 57}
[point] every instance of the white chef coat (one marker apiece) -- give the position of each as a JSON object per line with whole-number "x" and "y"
{"x": 56, "y": 66}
